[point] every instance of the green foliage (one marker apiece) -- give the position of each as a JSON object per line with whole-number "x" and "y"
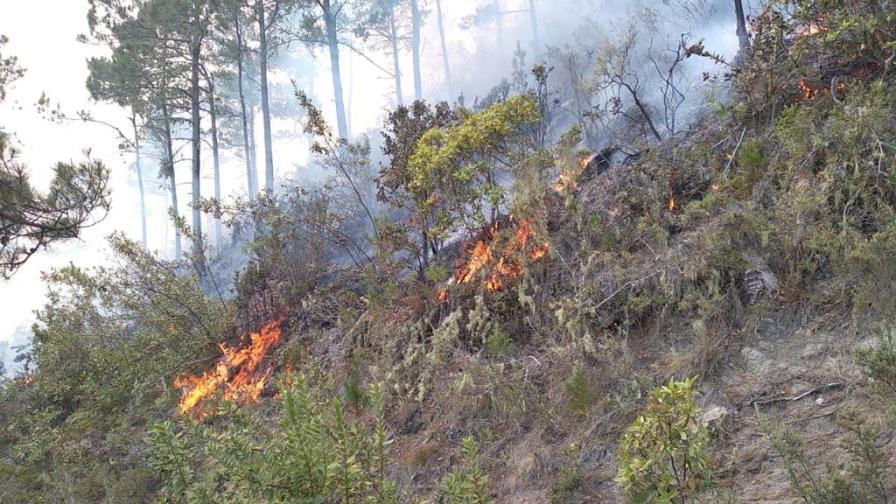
{"x": 315, "y": 453}
{"x": 467, "y": 484}
{"x": 458, "y": 167}
{"x": 78, "y": 198}
{"x": 879, "y": 361}
{"x": 750, "y": 163}
{"x": 106, "y": 347}
{"x": 867, "y": 480}
{"x": 662, "y": 456}
{"x": 570, "y": 479}
{"x": 355, "y": 395}
{"x": 579, "y": 395}
{"x": 402, "y": 131}
{"x": 10, "y": 71}
{"x": 835, "y": 201}
{"x": 497, "y": 343}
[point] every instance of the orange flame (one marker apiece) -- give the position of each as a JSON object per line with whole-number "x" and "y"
{"x": 238, "y": 374}
{"x": 569, "y": 179}
{"x": 809, "y": 93}
{"x": 671, "y": 202}
{"x": 500, "y": 267}
{"x": 808, "y": 30}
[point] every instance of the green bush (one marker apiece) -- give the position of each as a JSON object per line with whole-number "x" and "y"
{"x": 578, "y": 392}
{"x": 565, "y": 486}
{"x": 316, "y": 453}
{"x": 879, "y": 361}
{"x": 663, "y": 455}
{"x": 467, "y": 484}
{"x": 864, "y": 482}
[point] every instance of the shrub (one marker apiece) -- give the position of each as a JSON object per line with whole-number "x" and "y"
{"x": 578, "y": 393}
{"x": 316, "y": 453}
{"x": 879, "y": 362}
{"x": 865, "y": 481}
{"x": 663, "y": 455}
{"x": 467, "y": 484}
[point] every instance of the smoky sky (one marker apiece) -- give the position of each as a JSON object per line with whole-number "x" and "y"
{"x": 479, "y": 60}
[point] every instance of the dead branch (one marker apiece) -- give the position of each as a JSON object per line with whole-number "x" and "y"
{"x": 799, "y": 396}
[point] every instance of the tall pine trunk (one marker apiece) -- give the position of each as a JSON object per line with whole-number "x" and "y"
{"x": 265, "y": 107}
{"x": 253, "y": 153}
{"x": 244, "y": 120}
{"x": 139, "y": 179}
{"x": 333, "y": 45}
{"x": 444, "y": 49}
{"x": 416, "y": 26}
{"x": 536, "y": 38}
{"x": 742, "y": 36}
{"x": 499, "y": 28}
{"x": 195, "y": 140}
{"x": 172, "y": 179}
{"x": 396, "y": 66}
{"x": 216, "y": 154}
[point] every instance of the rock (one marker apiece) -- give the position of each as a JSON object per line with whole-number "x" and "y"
{"x": 813, "y": 349}
{"x": 413, "y": 422}
{"x": 755, "y": 360}
{"x": 713, "y": 414}
{"x": 529, "y": 467}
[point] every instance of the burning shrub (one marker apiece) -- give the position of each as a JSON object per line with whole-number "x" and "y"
{"x": 106, "y": 339}
{"x": 805, "y": 51}
{"x": 496, "y": 259}
{"x": 239, "y": 375}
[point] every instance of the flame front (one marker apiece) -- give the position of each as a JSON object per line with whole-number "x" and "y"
{"x": 238, "y": 374}
{"x": 499, "y": 268}
{"x": 810, "y": 92}
{"x": 809, "y": 30}
{"x": 569, "y": 179}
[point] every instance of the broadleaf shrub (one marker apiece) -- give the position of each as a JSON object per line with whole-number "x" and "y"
{"x": 663, "y": 455}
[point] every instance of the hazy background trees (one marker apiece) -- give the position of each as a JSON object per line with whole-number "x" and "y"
{"x": 206, "y": 85}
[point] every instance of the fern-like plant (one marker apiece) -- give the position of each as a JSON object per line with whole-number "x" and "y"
{"x": 467, "y": 484}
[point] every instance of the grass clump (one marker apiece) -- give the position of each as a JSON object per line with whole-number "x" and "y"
{"x": 578, "y": 392}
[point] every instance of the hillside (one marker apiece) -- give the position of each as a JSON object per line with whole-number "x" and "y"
{"x": 516, "y": 317}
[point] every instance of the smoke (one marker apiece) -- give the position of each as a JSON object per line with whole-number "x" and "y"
{"x": 572, "y": 36}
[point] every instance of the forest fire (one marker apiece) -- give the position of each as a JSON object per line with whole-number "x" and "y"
{"x": 238, "y": 374}
{"x": 810, "y": 92}
{"x": 808, "y": 30}
{"x": 569, "y": 180}
{"x": 500, "y": 267}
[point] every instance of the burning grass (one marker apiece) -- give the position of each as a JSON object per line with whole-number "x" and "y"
{"x": 496, "y": 262}
{"x": 239, "y": 374}
{"x": 810, "y": 91}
